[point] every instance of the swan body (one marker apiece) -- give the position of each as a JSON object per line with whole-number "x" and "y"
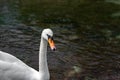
{"x": 12, "y": 68}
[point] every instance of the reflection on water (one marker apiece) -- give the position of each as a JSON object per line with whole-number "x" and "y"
{"x": 85, "y": 52}
{"x": 9, "y": 13}
{"x": 117, "y": 14}
{"x": 113, "y": 1}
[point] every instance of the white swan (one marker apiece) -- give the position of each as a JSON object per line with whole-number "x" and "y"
{"x": 11, "y": 68}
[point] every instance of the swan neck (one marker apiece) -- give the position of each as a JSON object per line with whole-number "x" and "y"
{"x": 43, "y": 66}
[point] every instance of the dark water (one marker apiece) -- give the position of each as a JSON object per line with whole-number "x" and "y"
{"x": 84, "y": 52}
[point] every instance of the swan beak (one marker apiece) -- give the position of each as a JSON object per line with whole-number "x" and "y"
{"x": 51, "y": 43}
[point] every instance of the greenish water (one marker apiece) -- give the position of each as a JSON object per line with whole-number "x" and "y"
{"x": 67, "y": 11}
{"x": 86, "y": 32}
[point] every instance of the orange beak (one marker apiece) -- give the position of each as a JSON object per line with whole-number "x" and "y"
{"x": 51, "y": 43}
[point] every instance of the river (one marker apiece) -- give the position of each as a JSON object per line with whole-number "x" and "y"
{"x": 85, "y": 51}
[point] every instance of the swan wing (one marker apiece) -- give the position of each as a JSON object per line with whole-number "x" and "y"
{"x": 14, "y": 71}
{"x": 10, "y": 58}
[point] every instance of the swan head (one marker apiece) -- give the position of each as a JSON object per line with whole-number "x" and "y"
{"x": 47, "y": 35}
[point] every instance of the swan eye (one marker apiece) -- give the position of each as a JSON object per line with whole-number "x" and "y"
{"x": 50, "y": 37}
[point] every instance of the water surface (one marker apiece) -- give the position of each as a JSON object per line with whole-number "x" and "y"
{"x": 87, "y": 39}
